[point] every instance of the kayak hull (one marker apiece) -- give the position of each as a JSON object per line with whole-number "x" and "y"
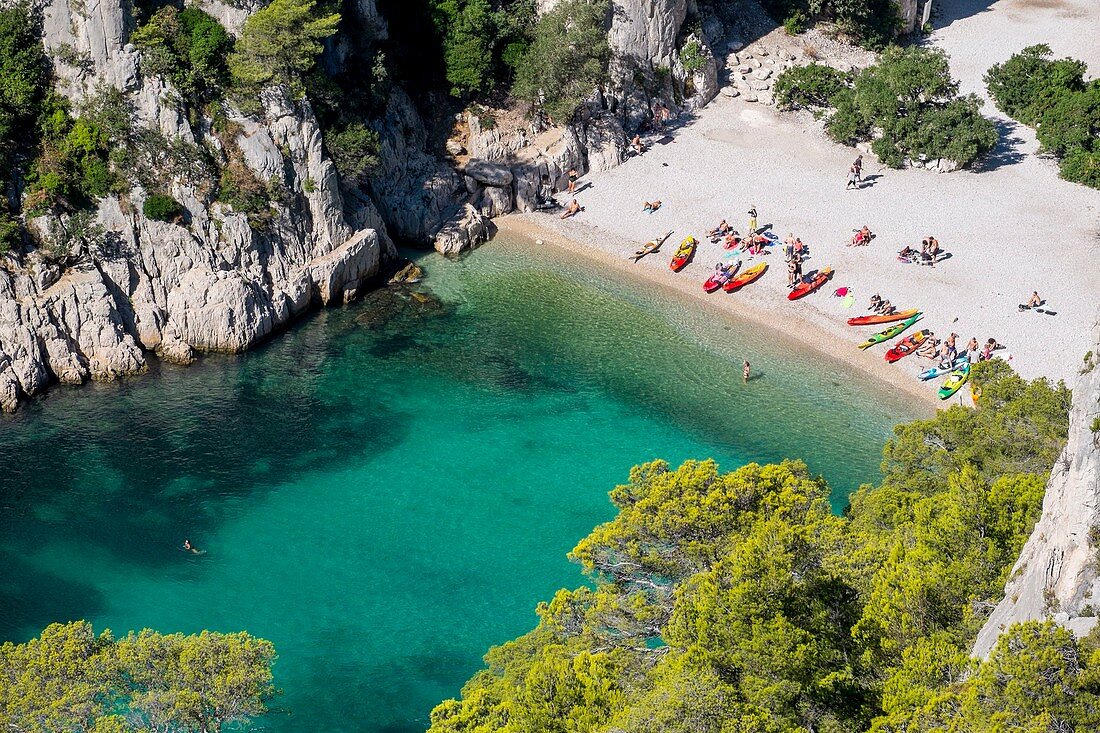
{"x": 889, "y": 333}
{"x": 954, "y": 382}
{"x": 683, "y": 254}
{"x": 907, "y": 346}
{"x": 750, "y": 275}
{"x": 806, "y": 288}
{"x": 939, "y": 371}
{"x": 717, "y": 281}
{"x": 875, "y": 320}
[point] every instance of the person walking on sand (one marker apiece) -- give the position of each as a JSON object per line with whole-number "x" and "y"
{"x": 572, "y": 181}
{"x": 852, "y": 176}
{"x": 857, "y": 166}
{"x": 745, "y": 371}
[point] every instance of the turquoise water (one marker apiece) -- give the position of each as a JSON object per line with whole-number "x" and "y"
{"x": 388, "y": 489}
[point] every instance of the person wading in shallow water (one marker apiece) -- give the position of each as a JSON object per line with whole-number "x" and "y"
{"x": 745, "y": 371}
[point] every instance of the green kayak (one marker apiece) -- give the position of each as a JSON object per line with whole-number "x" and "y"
{"x": 891, "y": 332}
{"x": 957, "y": 379}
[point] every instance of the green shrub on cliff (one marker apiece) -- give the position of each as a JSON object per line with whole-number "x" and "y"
{"x": 356, "y": 151}
{"x": 23, "y": 81}
{"x": 161, "y": 207}
{"x": 567, "y": 58}
{"x": 187, "y": 47}
{"x": 279, "y": 45}
{"x": 739, "y": 602}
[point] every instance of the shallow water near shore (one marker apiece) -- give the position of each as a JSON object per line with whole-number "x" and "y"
{"x": 388, "y": 489}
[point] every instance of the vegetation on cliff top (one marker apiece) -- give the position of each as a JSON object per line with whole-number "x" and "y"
{"x": 739, "y": 602}
{"x": 1053, "y": 97}
{"x": 907, "y": 105}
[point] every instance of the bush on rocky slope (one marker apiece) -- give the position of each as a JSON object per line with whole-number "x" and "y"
{"x": 567, "y": 59}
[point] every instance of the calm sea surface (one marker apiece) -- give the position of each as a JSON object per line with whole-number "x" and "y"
{"x": 388, "y": 489}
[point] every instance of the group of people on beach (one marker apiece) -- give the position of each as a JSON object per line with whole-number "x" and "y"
{"x": 930, "y": 251}
{"x": 946, "y": 353}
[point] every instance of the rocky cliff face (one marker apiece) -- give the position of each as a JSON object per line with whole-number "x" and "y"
{"x": 211, "y": 281}
{"x": 1058, "y": 573}
{"x": 510, "y": 170}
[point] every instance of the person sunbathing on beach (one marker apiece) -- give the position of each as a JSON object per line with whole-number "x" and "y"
{"x": 721, "y": 230}
{"x": 651, "y": 207}
{"x": 929, "y": 348}
{"x": 636, "y": 143}
{"x": 1034, "y": 301}
{"x": 906, "y": 253}
{"x": 573, "y": 209}
{"x": 887, "y": 308}
{"x": 876, "y": 303}
{"x": 861, "y": 237}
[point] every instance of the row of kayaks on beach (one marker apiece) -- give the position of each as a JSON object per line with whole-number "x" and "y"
{"x": 957, "y": 373}
{"x": 732, "y": 277}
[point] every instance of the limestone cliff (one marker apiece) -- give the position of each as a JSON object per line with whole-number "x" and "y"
{"x": 1058, "y": 573}
{"x": 211, "y": 281}
{"x": 511, "y": 170}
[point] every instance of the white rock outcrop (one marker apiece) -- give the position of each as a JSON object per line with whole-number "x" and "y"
{"x": 213, "y": 280}
{"x": 1056, "y": 576}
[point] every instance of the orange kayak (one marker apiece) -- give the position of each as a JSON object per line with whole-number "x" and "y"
{"x": 746, "y": 277}
{"x": 872, "y": 320}
{"x": 805, "y": 288}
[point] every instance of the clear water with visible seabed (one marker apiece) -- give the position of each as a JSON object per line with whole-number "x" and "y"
{"x": 388, "y": 489}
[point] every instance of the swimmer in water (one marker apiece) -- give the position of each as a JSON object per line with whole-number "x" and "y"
{"x": 191, "y": 548}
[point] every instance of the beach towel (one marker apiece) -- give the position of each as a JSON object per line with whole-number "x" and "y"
{"x": 840, "y": 292}
{"x": 849, "y": 301}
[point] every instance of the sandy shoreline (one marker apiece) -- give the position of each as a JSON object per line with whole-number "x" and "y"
{"x": 1010, "y": 229}
{"x": 792, "y": 324}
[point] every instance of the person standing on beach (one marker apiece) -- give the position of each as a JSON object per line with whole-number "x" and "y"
{"x": 745, "y": 371}
{"x": 857, "y": 166}
{"x": 752, "y": 220}
{"x": 572, "y": 181}
{"x": 852, "y": 177}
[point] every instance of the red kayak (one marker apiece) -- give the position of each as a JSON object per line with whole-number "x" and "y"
{"x": 873, "y": 319}
{"x": 720, "y": 278}
{"x": 805, "y": 288}
{"x": 907, "y": 345}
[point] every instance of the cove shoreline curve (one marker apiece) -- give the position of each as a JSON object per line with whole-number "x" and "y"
{"x": 787, "y": 320}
